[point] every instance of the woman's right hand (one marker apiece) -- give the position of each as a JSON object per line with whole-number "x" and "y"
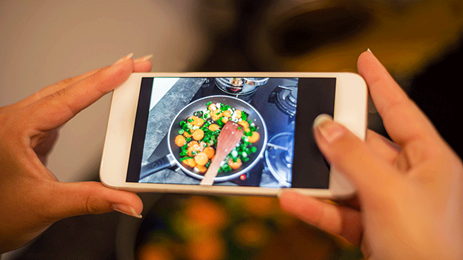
{"x": 410, "y": 192}
{"x": 31, "y": 197}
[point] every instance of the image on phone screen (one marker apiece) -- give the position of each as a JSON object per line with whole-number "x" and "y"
{"x": 178, "y": 122}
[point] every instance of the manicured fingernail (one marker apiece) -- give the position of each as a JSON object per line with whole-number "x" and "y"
{"x": 330, "y": 130}
{"x": 144, "y": 58}
{"x": 128, "y": 210}
{"x": 369, "y": 50}
{"x": 128, "y": 56}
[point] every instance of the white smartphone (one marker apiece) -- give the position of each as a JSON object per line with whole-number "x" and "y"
{"x": 164, "y": 128}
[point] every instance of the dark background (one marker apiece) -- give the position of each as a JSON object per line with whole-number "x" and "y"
{"x": 420, "y": 43}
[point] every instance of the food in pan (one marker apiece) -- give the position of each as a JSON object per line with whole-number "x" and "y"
{"x": 197, "y": 137}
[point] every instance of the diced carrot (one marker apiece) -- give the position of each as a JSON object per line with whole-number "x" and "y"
{"x": 244, "y": 123}
{"x": 209, "y": 151}
{"x": 192, "y": 150}
{"x": 189, "y": 162}
{"x": 192, "y": 143}
{"x": 237, "y": 113}
{"x": 180, "y": 140}
{"x": 212, "y": 107}
{"x": 254, "y": 137}
{"x": 234, "y": 165}
{"x": 216, "y": 115}
{"x": 198, "y": 134}
{"x": 201, "y": 158}
{"x": 201, "y": 168}
{"x": 196, "y": 121}
{"x": 214, "y": 127}
{"x": 186, "y": 134}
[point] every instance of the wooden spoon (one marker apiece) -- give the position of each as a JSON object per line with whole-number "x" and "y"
{"x": 228, "y": 138}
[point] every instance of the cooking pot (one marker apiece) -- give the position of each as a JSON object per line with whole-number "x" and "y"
{"x": 173, "y": 158}
{"x": 240, "y": 86}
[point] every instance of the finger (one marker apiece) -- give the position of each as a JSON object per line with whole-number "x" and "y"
{"x": 332, "y": 218}
{"x": 47, "y": 91}
{"x": 352, "y": 203}
{"x": 350, "y": 155}
{"x": 56, "y": 109}
{"x": 142, "y": 64}
{"x": 72, "y": 199}
{"x": 382, "y": 146}
{"x": 393, "y": 104}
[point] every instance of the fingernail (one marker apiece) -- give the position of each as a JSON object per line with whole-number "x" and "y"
{"x": 368, "y": 50}
{"x": 330, "y": 130}
{"x": 144, "y": 58}
{"x": 128, "y": 210}
{"x": 128, "y": 56}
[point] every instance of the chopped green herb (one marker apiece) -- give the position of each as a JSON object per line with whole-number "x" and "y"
{"x": 244, "y": 115}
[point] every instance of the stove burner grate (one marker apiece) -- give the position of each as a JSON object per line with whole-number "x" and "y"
{"x": 286, "y": 99}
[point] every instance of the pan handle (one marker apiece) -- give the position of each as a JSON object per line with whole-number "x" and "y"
{"x": 160, "y": 164}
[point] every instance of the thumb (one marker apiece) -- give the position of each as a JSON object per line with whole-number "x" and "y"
{"x": 72, "y": 199}
{"x": 351, "y": 156}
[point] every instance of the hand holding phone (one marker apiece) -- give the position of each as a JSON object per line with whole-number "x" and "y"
{"x": 409, "y": 193}
{"x": 32, "y": 198}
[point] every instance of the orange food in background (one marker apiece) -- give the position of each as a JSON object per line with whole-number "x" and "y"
{"x": 239, "y": 227}
{"x": 260, "y": 206}
{"x": 251, "y": 234}
{"x": 154, "y": 252}
{"x": 206, "y": 246}
{"x": 206, "y": 213}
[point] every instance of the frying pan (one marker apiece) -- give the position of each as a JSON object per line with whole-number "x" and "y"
{"x": 173, "y": 158}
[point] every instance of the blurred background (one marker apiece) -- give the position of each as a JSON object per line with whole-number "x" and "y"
{"x": 42, "y": 42}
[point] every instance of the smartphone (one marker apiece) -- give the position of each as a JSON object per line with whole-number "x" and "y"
{"x": 163, "y": 131}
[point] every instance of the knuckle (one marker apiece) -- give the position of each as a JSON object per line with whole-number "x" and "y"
{"x": 92, "y": 205}
{"x": 61, "y": 98}
{"x": 65, "y": 82}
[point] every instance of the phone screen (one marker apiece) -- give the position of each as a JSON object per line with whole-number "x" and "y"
{"x": 179, "y": 120}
